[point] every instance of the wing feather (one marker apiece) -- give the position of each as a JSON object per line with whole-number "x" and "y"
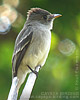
{"x": 22, "y": 43}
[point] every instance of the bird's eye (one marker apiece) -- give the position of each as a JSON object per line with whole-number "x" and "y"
{"x": 45, "y": 17}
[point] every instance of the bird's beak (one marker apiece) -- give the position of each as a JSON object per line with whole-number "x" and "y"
{"x": 54, "y": 16}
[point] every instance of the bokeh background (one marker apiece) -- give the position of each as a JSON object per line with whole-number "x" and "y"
{"x": 59, "y": 79}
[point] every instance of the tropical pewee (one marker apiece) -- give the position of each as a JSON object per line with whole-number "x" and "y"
{"x": 33, "y": 43}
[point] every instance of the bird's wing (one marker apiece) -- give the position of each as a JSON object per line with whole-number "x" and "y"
{"x": 22, "y": 43}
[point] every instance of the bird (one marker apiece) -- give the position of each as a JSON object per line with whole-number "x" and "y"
{"x": 32, "y": 44}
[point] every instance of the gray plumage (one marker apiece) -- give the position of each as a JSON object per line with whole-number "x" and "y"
{"x": 32, "y": 44}
{"x": 21, "y": 45}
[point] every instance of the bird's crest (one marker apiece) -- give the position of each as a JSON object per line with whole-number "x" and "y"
{"x": 37, "y": 11}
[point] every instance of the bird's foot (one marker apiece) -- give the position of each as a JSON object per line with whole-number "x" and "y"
{"x": 35, "y": 72}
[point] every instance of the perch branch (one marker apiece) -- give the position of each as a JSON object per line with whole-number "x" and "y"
{"x": 29, "y": 85}
{"x": 13, "y": 91}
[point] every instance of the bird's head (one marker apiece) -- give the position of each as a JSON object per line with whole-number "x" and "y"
{"x": 41, "y": 16}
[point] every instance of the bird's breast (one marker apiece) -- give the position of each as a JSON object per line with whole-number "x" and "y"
{"x": 38, "y": 47}
{"x": 42, "y": 39}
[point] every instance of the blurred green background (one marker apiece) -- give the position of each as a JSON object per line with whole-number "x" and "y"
{"x": 59, "y": 79}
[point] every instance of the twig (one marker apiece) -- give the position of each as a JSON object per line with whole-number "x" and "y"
{"x": 29, "y": 85}
{"x": 13, "y": 91}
